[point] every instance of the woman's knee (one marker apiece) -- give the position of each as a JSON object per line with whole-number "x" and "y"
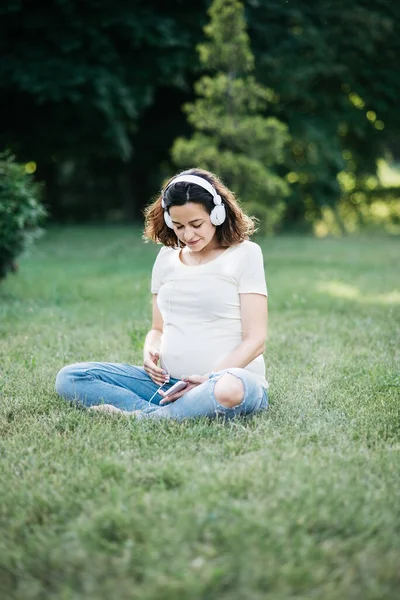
{"x": 62, "y": 380}
{"x": 229, "y": 390}
{"x": 65, "y": 379}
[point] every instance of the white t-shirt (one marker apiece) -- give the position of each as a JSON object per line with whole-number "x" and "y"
{"x": 200, "y": 307}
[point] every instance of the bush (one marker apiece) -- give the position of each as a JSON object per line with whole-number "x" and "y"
{"x": 21, "y": 211}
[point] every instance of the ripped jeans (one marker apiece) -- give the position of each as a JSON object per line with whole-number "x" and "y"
{"x": 130, "y": 388}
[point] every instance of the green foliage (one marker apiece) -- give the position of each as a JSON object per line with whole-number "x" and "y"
{"x": 92, "y": 90}
{"x": 366, "y": 202}
{"x": 299, "y": 502}
{"x": 77, "y": 78}
{"x": 230, "y": 44}
{"x": 333, "y": 66}
{"x": 20, "y": 211}
{"x": 232, "y": 137}
{"x": 362, "y": 209}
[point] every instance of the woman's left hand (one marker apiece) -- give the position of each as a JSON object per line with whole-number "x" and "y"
{"x": 192, "y": 380}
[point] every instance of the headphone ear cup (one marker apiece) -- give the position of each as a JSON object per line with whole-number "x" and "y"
{"x": 218, "y": 214}
{"x": 168, "y": 220}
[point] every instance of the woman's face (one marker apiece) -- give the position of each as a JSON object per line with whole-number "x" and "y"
{"x": 192, "y": 225}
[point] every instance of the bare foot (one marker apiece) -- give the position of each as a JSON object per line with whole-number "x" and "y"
{"x": 108, "y": 408}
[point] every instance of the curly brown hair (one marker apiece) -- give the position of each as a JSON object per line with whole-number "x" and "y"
{"x": 236, "y": 228}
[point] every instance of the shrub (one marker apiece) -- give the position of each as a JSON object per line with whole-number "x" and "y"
{"x": 21, "y": 211}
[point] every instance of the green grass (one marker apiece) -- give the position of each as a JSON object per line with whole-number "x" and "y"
{"x": 301, "y": 502}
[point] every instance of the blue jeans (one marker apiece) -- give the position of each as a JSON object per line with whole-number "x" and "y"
{"x": 131, "y": 388}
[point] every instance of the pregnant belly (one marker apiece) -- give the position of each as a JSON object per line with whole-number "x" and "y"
{"x": 187, "y": 354}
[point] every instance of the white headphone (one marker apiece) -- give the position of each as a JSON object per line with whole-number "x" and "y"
{"x": 218, "y": 213}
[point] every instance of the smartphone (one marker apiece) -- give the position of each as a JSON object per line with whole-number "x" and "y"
{"x": 177, "y": 387}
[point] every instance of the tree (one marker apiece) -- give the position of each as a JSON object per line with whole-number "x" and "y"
{"x": 77, "y": 77}
{"x": 232, "y": 137}
{"x": 334, "y": 68}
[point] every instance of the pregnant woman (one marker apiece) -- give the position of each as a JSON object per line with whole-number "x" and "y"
{"x": 209, "y": 322}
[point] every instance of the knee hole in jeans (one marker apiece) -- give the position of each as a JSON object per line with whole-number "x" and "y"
{"x": 229, "y": 390}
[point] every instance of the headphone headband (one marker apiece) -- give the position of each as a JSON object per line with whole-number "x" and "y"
{"x": 217, "y": 215}
{"x": 198, "y": 181}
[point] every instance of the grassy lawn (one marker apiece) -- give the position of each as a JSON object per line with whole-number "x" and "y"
{"x": 302, "y": 502}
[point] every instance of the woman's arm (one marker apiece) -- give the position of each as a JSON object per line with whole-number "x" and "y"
{"x": 152, "y": 343}
{"x": 254, "y": 315}
{"x": 153, "y": 338}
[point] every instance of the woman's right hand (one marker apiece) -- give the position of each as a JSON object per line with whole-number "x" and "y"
{"x": 150, "y": 362}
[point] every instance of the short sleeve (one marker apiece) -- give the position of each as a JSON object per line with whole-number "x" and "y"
{"x": 252, "y": 275}
{"x": 158, "y": 271}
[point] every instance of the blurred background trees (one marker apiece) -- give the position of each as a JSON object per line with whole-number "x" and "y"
{"x": 333, "y": 67}
{"x": 232, "y": 137}
{"x": 91, "y": 95}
